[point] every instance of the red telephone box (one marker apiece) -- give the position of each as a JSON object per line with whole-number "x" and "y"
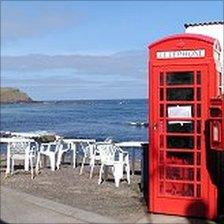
{"x": 183, "y": 77}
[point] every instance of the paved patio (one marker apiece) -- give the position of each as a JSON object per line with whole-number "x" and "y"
{"x": 19, "y": 207}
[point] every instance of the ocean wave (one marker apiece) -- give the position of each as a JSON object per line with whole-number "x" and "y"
{"x": 138, "y": 124}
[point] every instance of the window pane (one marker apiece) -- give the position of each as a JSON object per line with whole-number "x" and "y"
{"x": 179, "y": 173}
{"x": 180, "y": 158}
{"x": 180, "y": 78}
{"x": 180, "y": 94}
{"x": 180, "y": 142}
{"x": 179, "y": 189}
{"x": 161, "y": 94}
{"x": 215, "y": 112}
{"x": 184, "y": 127}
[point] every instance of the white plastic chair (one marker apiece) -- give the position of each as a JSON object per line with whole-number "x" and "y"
{"x": 89, "y": 152}
{"x": 115, "y": 158}
{"x": 50, "y": 150}
{"x": 95, "y": 156}
{"x": 65, "y": 148}
{"x": 23, "y": 151}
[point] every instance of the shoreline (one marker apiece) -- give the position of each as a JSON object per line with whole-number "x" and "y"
{"x": 69, "y": 100}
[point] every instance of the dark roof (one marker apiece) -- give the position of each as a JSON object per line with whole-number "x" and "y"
{"x": 186, "y": 25}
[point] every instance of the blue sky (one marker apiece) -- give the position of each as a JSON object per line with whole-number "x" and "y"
{"x": 88, "y": 49}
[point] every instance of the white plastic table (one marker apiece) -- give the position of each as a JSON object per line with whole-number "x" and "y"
{"x": 132, "y": 145}
{"x": 8, "y": 141}
{"x": 75, "y": 143}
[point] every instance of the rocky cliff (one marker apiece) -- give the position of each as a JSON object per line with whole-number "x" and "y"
{"x": 12, "y": 95}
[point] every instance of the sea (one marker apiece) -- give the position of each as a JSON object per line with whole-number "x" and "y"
{"x": 97, "y": 119}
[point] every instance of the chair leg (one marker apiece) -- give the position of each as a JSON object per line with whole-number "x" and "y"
{"x": 52, "y": 162}
{"x": 8, "y": 168}
{"x": 92, "y": 164}
{"x": 12, "y": 169}
{"x": 127, "y": 168}
{"x": 37, "y": 164}
{"x": 106, "y": 172}
{"x": 100, "y": 175}
{"x": 31, "y": 167}
{"x": 117, "y": 181}
{"x": 118, "y": 173}
{"x": 82, "y": 166}
{"x": 60, "y": 154}
{"x": 41, "y": 162}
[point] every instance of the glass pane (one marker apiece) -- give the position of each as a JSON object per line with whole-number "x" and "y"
{"x": 180, "y": 158}
{"x": 180, "y": 78}
{"x": 179, "y": 173}
{"x": 161, "y": 94}
{"x": 179, "y": 189}
{"x": 180, "y": 94}
{"x": 198, "y": 110}
{"x": 180, "y": 142}
{"x": 184, "y": 127}
{"x": 215, "y": 112}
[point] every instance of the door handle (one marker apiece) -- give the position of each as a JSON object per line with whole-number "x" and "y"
{"x": 154, "y": 127}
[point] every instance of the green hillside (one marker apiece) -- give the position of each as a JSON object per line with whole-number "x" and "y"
{"x": 12, "y": 95}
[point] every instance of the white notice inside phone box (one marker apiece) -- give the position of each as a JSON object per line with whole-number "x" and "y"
{"x": 179, "y": 112}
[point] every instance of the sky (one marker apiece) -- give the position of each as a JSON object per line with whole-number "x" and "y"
{"x": 57, "y": 50}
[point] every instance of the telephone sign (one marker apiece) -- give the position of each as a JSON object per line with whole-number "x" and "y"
{"x": 180, "y": 54}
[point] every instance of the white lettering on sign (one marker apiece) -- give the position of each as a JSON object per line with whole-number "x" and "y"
{"x": 181, "y": 54}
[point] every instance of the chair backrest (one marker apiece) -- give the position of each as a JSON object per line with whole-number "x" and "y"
{"x": 19, "y": 148}
{"x": 108, "y": 140}
{"x": 87, "y": 148}
{"x": 50, "y": 147}
{"x": 107, "y": 153}
{"x": 66, "y": 145}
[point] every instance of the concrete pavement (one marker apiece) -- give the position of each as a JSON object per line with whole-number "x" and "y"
{"x": 19, "y": 207}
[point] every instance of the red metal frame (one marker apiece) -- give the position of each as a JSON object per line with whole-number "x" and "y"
{"x": 179, "y": 182}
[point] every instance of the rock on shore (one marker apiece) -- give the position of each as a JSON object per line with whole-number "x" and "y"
{"x": 13, "y": 95}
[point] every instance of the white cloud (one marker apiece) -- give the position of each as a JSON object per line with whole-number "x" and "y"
{"x": 130, "y": 64}
{"x": 18, "y": 23}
